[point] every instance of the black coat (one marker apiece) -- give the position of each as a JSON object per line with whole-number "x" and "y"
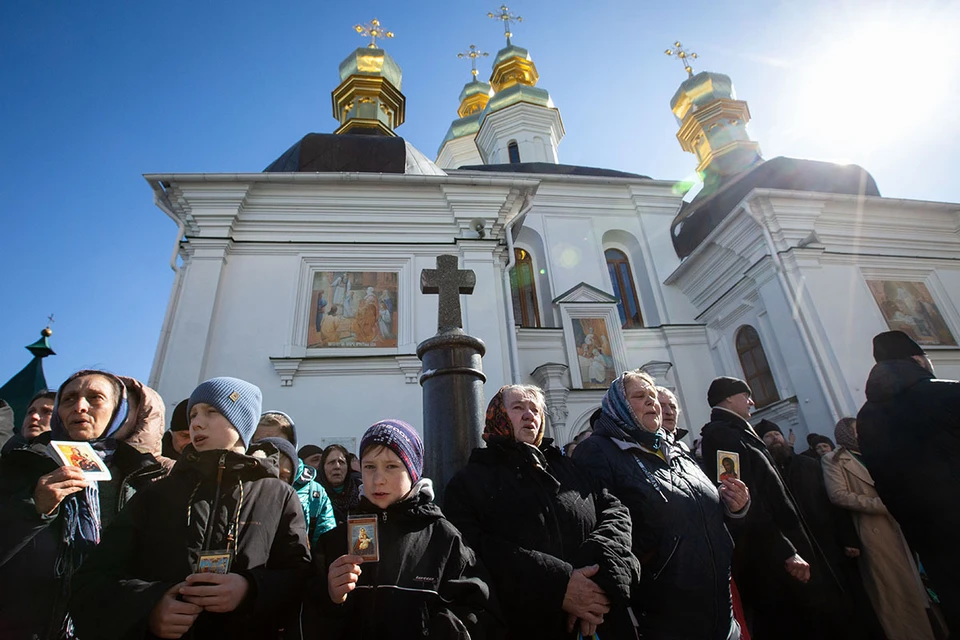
{"x": 33, "y": 598}
{"x": 832, "y": 529}
{"x": 532, "y": 526}
{"x": 155, "y": 543}
{"x": 427, "y": 582}
{"x": 678, "y": 534}
{"x": 909, "y": 433}
{"x": 773, "y": 531}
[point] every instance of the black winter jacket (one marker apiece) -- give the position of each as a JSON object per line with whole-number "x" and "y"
{"x": 679, "y": 536}
{"x": 909, "y": 433}
{"x": 33, "y": 598}
{"x": 532, "y": 527}
{"x": 772, "y": 532}
{"x": 427, "y": 583}
{"x": 156, "y": 541}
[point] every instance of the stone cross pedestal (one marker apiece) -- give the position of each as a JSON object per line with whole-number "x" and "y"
{"x": 452, "y": 378}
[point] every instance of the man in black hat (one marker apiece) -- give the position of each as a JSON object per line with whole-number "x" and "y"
{"x": 178, "y": 436}
{"x": 769, "y": 565}
{"x": 909, "y": 434}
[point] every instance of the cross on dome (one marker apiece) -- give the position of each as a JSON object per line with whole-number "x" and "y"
{"x": 374, "y": 30}
{"x": 473, "y": 54}
{"x": 507, "y": 18}
{"x": 683, "y": 57}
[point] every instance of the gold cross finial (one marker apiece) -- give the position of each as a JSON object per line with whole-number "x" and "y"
{"x": 507, "y": 18}
{"x": 683, "y": 56}
{"x": 473, "y": 54}
{"x": 374, "y": 30}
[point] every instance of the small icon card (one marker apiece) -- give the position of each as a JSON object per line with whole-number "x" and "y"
{"x": 362, "y": 537}
{"x": 728, "y": 465}
{"x": 80, "y": 455}
{"x": 215, "y": 562}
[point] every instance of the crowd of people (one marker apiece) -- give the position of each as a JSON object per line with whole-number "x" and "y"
{"x": 221, "y": 527}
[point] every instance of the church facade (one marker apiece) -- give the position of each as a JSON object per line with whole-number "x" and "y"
{"x": 304, "y": 279}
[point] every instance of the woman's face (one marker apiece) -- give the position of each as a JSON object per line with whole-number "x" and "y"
{"x": 335, "y": 468}
{"x": 823, "y": 448}
{"x": 86, "y": 406}
{"x": 525, "y": 415}
{"x": 643, "y": 400}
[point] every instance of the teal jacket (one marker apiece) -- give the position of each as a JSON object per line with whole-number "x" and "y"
{"x": 316, "y": 504}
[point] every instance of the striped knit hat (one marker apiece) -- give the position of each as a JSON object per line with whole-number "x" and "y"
{"x": 402, "y": 439}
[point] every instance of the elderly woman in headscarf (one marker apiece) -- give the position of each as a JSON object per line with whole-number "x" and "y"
{"x": 679, "y": 515}
{"x": 52, "y": 515}
{"x": 341, "y": 484}
{"x": 889, "y": 573}
{"x": 558, "y": 552}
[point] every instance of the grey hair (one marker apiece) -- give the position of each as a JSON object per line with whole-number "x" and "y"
{"x": 528, "y": 390}
{"x": 672, "y": 395}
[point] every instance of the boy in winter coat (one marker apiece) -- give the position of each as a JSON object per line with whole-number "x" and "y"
{"x": 218, "y": 510}
{"x": 427, "y": 581}
{"x": 317, "y": 508}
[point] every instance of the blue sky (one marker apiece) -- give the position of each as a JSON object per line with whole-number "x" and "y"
{"x": 97, "y": 93}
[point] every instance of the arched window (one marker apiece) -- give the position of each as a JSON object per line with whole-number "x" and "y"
{"x": 756, "y": 369}
{"x": 513, "y": 150}
{"x": 524, "y": 288}
{"x": 623, "y": 288}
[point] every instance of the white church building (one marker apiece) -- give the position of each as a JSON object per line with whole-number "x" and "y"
{"x": 304, "y": 279}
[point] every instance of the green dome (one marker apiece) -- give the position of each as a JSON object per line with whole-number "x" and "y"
{"x": 475, "y": 88}
{"x": 702, "y": 88}
{"x": 461, "y": 128}
{"x": 518, "y": 93}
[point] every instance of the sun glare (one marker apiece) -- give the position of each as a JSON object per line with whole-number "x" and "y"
{"x": 885, "y": 79}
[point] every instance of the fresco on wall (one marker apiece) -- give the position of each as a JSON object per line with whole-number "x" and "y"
{"x": 909, "y": 307}
{"x": 593, "y": 352}
{"x": 353, "y": 309}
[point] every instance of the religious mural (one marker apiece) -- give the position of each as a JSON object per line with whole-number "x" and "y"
{"x": 909, "y": 307}
{"x": 593, "y": 352}
{"x": 353, "y": 309}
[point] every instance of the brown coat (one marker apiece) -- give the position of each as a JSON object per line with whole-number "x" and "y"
{"x": 886, "y": 565}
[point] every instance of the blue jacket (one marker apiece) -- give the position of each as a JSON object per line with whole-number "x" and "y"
{"x": 316, "y": 504}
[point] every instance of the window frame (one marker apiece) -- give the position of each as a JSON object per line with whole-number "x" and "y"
{"x": 761, "y": 381}
{"x": 616, "y": 281}
{"x": 524, "y": 258}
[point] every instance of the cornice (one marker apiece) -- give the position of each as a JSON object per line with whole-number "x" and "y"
{"x": 288, "y": 369}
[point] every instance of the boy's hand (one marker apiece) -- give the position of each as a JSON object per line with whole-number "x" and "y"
{"x": 171, "y": 618}
{"x": 217, "y": 593}
{"x": 342, "y": 577}
{"x": 52, "y": 488}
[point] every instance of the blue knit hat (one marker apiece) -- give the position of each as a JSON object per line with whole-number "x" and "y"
{"x": 238, "y": 400}
{"x": 400, "y": 438}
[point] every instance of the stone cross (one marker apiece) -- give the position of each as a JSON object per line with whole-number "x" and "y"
{"x": 449, "y": 282}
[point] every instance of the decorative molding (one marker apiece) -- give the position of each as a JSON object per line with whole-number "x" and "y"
{"x": 288, "y": 369}
{"x": 584, "y": 293}
{"x": 786, "y": 413}
{"x": 554, "y": 379}
{"x": 658, "y": 369}
{"x": 411, "y": 367}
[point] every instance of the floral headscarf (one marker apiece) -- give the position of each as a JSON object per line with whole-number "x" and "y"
{"x": 498, "y": 422}
{"x": 618, "y": 420}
